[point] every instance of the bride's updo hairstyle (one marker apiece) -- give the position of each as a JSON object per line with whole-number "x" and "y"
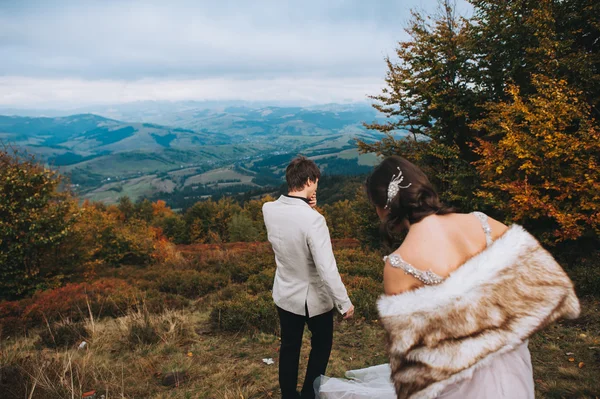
{"x": 415, "y": 197}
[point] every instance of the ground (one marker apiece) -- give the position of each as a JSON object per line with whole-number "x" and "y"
{"x": 566, "y": 358}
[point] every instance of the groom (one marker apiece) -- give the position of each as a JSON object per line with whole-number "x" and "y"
{"x": 307, "y": 283}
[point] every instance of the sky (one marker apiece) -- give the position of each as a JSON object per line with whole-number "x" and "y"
{"x": 68, "y": 54}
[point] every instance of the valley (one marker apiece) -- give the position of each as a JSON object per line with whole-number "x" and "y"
{"x": 202, "y": 151}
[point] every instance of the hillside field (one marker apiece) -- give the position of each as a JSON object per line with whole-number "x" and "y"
{"x": 200, "y": 327}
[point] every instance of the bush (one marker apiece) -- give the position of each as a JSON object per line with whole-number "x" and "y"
{"x": 105, "y": 297}
{"x": 261, "y": 282}
{"x": 239, "y": 270}
{"x": 360, "y": 263}
{"x": 586, "y": 279}
{"x": 246, "y": 313}
{"x": 63, "y": 335}
{"x": 11, "y": 322}
{"x": 190, "y": 283}
{"x": 364, "y": 293}
{"x": 111, "y": 240}
{"x": 242, "y": 228}
{"x": 157, "y": 302}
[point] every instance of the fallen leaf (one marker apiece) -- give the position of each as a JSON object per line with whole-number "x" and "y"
{"x": 582, "y": 335}
{"x": 190, "y": 354}
{"x": 581, "y": 364}
{"x": 571, "y": 359}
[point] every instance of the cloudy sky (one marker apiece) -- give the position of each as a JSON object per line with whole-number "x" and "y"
{"x": 63, "y": 53}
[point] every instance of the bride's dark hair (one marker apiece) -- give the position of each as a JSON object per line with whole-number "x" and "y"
{"x": 411, "y": 204}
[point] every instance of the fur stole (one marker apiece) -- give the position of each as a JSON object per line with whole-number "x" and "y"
{"x": 440, "y": 334}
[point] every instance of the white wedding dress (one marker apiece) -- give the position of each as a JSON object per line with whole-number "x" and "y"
{"x": 371, "y": 382}
{"x": 507, "y": 376}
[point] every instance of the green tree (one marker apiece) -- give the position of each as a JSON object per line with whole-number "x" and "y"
{"x": 174, "y": 228}
{"x": 36, "y": 218}
{"x": 367, "y": 222}
{"x": 208, "y": 220}
{"x": 242, "y": 228}
{"x": 144, "y": 210}
{"x": 126, "y": 207}
{"x": 517, "y": 38}
{"x": 341, "y": 219}
{"x": 431, "y": 99}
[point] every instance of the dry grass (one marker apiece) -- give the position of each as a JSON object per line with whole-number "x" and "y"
{"x": 566, "y": 356}
{"x": 128, "y": 357}
{"x": 230, "y": 365}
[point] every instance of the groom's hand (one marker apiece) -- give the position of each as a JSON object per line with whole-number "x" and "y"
{"x": 349, "y": 313}
{"x": 313, "y": 200}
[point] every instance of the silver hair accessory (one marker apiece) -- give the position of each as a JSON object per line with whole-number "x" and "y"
{"x": 394, "y": 187}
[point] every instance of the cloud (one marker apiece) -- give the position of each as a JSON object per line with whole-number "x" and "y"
{"x": 72, "y": 93}
{"x": 79, "y": 46}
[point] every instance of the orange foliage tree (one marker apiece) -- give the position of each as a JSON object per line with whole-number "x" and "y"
{"x": 540, "y": 160}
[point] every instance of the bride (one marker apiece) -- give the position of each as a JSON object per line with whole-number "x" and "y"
{"x": 463, "y": 294}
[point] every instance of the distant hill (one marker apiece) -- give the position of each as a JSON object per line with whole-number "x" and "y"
{"x": 228, "y": 149}
{"x": 88, "y": 135}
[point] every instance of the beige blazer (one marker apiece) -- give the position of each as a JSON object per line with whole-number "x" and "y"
{"x": 306, "y": 269}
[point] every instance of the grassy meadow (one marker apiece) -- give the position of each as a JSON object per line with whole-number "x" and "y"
{"x": 200, "y": 325}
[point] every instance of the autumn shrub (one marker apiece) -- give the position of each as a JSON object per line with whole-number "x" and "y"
{"x": 143, "y": 278}
{"x": 261, "y": 282}
{"x": 191, "y": 283}
{"x": 239, "y": 268}
{"x": 113, "y": 241}
{"x": 229, "y": 292}
{"x": 157, "y": 302}
{"x": 104, "y": 297}
{"x": 357, "y": 262}
{"x": 11, "y": 321}
{"x": 239, "y": 272}
{"x": 213, "y": 256}
{"x": 364, "y": 292}
{"x": 166, "y": 253}
{"x": 63, "y": 335}
{"x": 245, "y": 312}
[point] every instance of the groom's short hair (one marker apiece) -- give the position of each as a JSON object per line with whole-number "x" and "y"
{"x": 299, "y": 171}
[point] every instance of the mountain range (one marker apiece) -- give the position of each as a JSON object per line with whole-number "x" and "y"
{"x": 140, "y": 150}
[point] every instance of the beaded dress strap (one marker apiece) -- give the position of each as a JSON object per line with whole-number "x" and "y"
{"x": 426, "y": 277}
{"x": 483, "y": 218}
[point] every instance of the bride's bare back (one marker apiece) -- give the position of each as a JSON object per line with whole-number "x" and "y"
{"x": 440, "y": 244}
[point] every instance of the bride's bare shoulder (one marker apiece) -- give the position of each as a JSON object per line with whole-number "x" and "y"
{"x": 413, "y": 253}
{"x": 498, "y": 228}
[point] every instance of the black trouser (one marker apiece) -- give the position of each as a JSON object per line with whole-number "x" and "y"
{"x": 292, "y": 329}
